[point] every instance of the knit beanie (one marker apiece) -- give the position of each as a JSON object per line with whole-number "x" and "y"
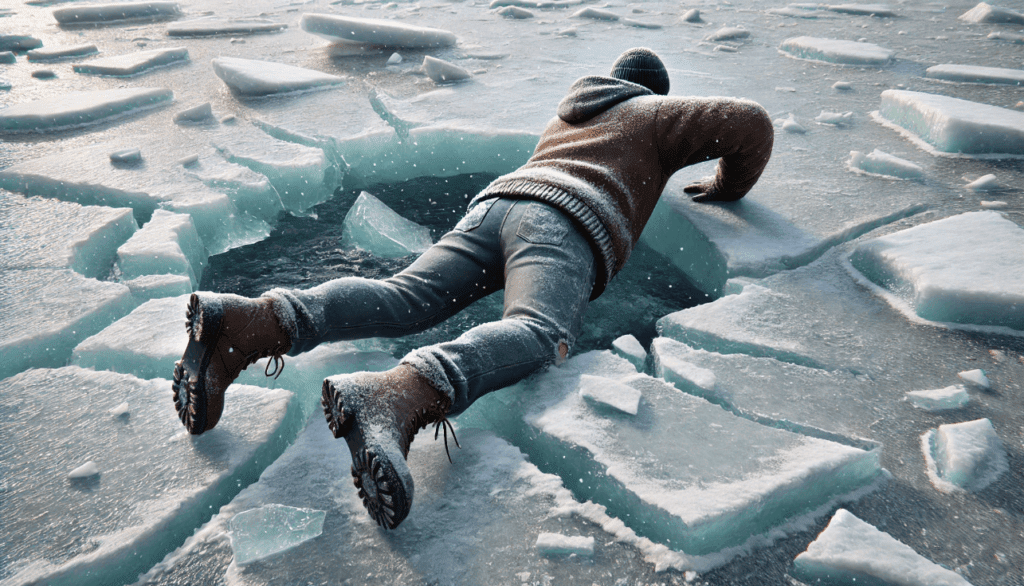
{"x": 642, "y": 66}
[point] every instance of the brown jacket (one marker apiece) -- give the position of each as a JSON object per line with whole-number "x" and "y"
{"x": 605, "y": 159}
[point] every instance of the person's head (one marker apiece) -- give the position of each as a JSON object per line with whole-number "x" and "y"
{"x": 642, "y": 66}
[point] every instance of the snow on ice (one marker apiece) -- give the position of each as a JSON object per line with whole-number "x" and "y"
{"x": 964, "y": 456}
{"x": 945, "y": 399}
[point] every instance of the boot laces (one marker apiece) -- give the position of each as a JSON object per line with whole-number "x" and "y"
{"x": 444, "y": 423}
{"x": 276, "y": 355}
{"x": 424, "y": 417}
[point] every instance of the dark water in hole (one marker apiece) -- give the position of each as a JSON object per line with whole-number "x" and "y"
{"x": 303, "y": 252}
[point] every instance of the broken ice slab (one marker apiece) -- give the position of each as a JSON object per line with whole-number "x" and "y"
{"x": 728, "y": 33}
{"x": 155, "y": 286}
{"x": 670, "y": 364}
{"x": 684, "y": 472}
{"x": 984, "y": 183}
{"x": 952, "y": 125}
{"x": 44, "y": 313}
{"x": 881, "y": 163}
{"x": 839, "y": 52}
{"x": 131, "y": 64}
{"x": 976, "y": 378}
{"x": 259, "y": 78}
{"x": 167, "y": 244}
{"x": 262, "y": 532}
{"x": 554, "y": 544}
{"x": 945, "y": 399}
{"x": 852, "y": 552}
{"x": 374, "y": 227}
{"x": 985, "y": 12}
{"x": 54, "y": 53}
{"x": 156, "y": 485}
{"x": 609, "y": 393}
{"x": 629, "y": 348}
{"x": 211, "y": 26}
{"x": 964, "y": 456}
{"x": 9, "y": 42}
{"x": 7, "y": 57}
{"x": 99, "y": 14}
{"x": 374, "y": 31}
{"x": 966, "y": 269}
{"x": 442, "y": 71}
{"x": 195, "y": 115}
{"x": 73, "y": 109}
{"x": 42, "y": 233}
{"x": 975, "y": 74}
{"x": 879, "y": 10}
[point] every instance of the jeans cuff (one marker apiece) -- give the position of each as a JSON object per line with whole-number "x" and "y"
{"x": 427, "y": 364}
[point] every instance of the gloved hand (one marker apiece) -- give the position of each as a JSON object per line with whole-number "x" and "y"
{"x": 705, "y": 193}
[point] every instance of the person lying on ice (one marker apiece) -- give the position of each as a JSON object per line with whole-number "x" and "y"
{"x": 552, "y": 234}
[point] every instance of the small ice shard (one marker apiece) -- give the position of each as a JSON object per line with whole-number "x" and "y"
{"x": 605, "y": 391}
{"x": 862, "y": 9}
{"x": 725, "y": 49}
{"x": 372, "y": 31}
{"x": 124, "y": 156}
{"x": 197, "y": 114}
{"x": 374, "y": 227}
{"x": 443, "y": 71}
{"x": 852, "y": 552}
{"x": 638, "y": 24}
{"x": 260, "y": 78}
{"x": 557, "y": 544}
{"x": 951, "y": 397}
{"x": 122, "y": 410}
{"x": 133, "y": 63}
{"x": 728, "y": 33}
{"x": 976, "y": 377}
{"x": 842, "y": 86}
{"x": 882, "y": 163}
{"x": 7, "y": 57}
{"x": 54, "y": 53}
{"x": 208, "y": 27}
{"x": 79, "y": 109}
{"x": 684, "y": 375}
{"x": 1006, "y": 36}
{"x": 836, "y": 51}
{"x": 952, "y": 125}
{"x": 18, "y": 42}
{"x": 972, "y": 74}
{"x": 967, "y": 456}
{"x": 96, "y": 14}
{"x": 270, "y": 529}
{"x": 167, "y": 244}
{"x": 44, "y": 74}
{"x": 515, "y": 12}
{"x": 84, "y": 471}
{"x": 567, "y": 32}
{"x": 629, "y": 348}
{"x": 834, "y": 118}
{"x": 985, "y": 12}
{"x": 993, "y": 205}
{"x": 394, "y": 59}
{"x": 984, "y": 183}
{"x": 595, "y": 14}
{"x": 691, "y": 15}
{"x": 189, "y": 160}
{"x": 791, "y": 126}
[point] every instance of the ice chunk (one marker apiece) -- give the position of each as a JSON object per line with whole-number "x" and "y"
{"x": 155, "y": 286}
{"x": 685, "y": 375}
{"x": 44, "y": 313}
{"x": 394, "y": 59}
{"x": 80, "y": 109}
{"x": 126, "y": 156}
{"x": 862, "y": 9}
{"x": 260, "y": 78}
{"x": 373, "y": 31}
{"x": 728, "y": 33}
{"x": 44, "y": 74}
{"x": 850, "y": 551}
{"x": 373, "y": 226}
{"x": 975, "y": 74}
{"x": 7, "y": 57}
{"x": 836, "y": 51}
{"x": 964, "y": 456}
{"x": 842, "y": 86}
{"x": 629, "y": 348}
{"x": 984, "y": 183}
{"x": 167, "y": 244}
{"x": 993, "y": 205}
{"x": 40, "y": 233}
{"x": 552, "y": 544}
{"x": 54, "y": 53}
{"x": 976, "y": 378}
{"x": 134, "y": 63}
{"x": 122, "y": 410}
{"x": 98, "y": 14}
{"x": 260, "y": 533}
{"x": 153, "y": 489}
{"x": 952, "y": 125}
{"x": 835, "y": 118}
{"x": 9, "y": 42}
{"x": 791, "y": 126}
{"x": 979, "y": 279}
{"x": 985, "y": 12}
{"x": 84, "y": 471}
{"x": 951, "y": 397}
{"x": 596, "y": 14}
{"x": 604, "y": 391}
{"x": 515, "y": 12}
{"x": 206, "y": 27}
{"x": 881, "y": 163}
{"x": 691, "y": 15}
{"x": 196, "y": 114}
{"x": 442, "y": 71}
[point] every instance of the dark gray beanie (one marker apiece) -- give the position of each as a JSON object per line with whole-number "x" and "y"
{"x": 642, "y": 66}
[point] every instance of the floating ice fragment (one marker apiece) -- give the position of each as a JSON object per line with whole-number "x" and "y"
{"x": 605, "y": 391}
{"x": 109, "y": 13}
{"x": 196, "y": 114}
{"x": 967, "y": 456}
{"x": 133, "y": 63}
{"x": 44, "y": 74}
{"x": 951, "y": 397}
{"x": 394, "y": 59}
{"x": 953, "y": 125}
{"x": 629, "y": 348}
{"x": 126, "y": 156}
{"x": 84, "y": 471}
{"x": 595, "y": 14}
{"x": 54, "y": 53}
{"x": 7, "y": 57}
{"x": 882, "y": 163}
{"x": 515, "y": 12}
{"x": 862, "y": 9}
{"x": 553, "y": 544}
{"x": 206, "y": 27}
{"x": 79, "y": 109}
{"x": 842, "y": 86}
{"x": 535, "y": 3}
{"x": 791, "y": 126}
{"x": 18, "y": 42}
{"x": 985, "y": 12}
{"x": 122, "y": 410}
{"x": 638, "y": 24}
{"x": 691, "y": 15}
{"x": 373, "y": 226}
{"x": 189, "y": 160}
{"x": 260, "y": 78}
{"x": 984, "y": 183}
{"x": 728, "y": 33}
{"x": 836, "y": 51}
{"x": 167, "y": 244}
{"x": 975, "y": 74}
{"x": 835, "y": 118}
{"x": 263, "y": 532}
{"x": 443, "y": 71}
{"x": 993, "y": 205}
{"x": 852, "y": 552}
{"x": 976, "y": 377}
{"x": 372, "y": 31}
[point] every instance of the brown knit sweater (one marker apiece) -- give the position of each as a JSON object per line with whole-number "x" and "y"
{"x": 605, "y": 159}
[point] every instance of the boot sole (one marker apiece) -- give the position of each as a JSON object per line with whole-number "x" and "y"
{"x": 191, "y": 401}
{"x": 379, "y": 471}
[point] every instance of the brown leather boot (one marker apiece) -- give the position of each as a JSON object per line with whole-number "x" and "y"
{"x": 378, "y": 413}
{"x": 227, "y": 333}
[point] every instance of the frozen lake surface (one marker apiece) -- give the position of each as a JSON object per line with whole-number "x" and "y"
{"x": 820, "y": 383}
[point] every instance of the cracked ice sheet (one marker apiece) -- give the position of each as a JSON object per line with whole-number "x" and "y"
{"x": 474, "y": 521}
{"x": 155, "y": 482}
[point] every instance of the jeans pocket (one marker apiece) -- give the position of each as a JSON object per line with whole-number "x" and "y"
{"x": 543, "y": 224}
{"x": 475, "y": 216}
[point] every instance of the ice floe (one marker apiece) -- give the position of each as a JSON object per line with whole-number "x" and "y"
{"x": 985, "y": 12}
{"x": 54, "y": 53}
{"x": 975, "y": 74}
{"x": 728, "y": 33}
{"x": 880, "y": 10}
{"x": 976, "y": 378}
{"x": 195, "y": 114}
{"x": 74, "y": 109}
{"x": 881, "y": 163}
{"x": 374, "y": 227}
{"x": 211, "y": 26}
{"x": 167, "y": 244}
{"x": 271, "y": 529}
{"x": 84, "y": 471}
{"x": 629, "y": 347}
{"x": 836, "y": 51}
{"x": 840, "y": 119}
{"x": 133, "y": 63}
{"x": 100, "y": 14}
{"x": 945, "y": 399}
{"x": 260, "y": 78}
{"x": 373, "y": 31}
{"x": 964, "y": 456}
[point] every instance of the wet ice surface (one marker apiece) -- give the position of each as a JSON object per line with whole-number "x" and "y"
{"x": 823, "y": 355}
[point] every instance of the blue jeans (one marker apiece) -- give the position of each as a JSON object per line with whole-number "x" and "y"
{"x": 528, "y": 248}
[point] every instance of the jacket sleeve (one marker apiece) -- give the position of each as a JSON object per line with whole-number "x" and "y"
{"x": 737, "y": 132}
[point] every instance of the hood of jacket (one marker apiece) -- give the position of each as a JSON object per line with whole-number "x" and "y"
{"x": 593, "y": 94}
